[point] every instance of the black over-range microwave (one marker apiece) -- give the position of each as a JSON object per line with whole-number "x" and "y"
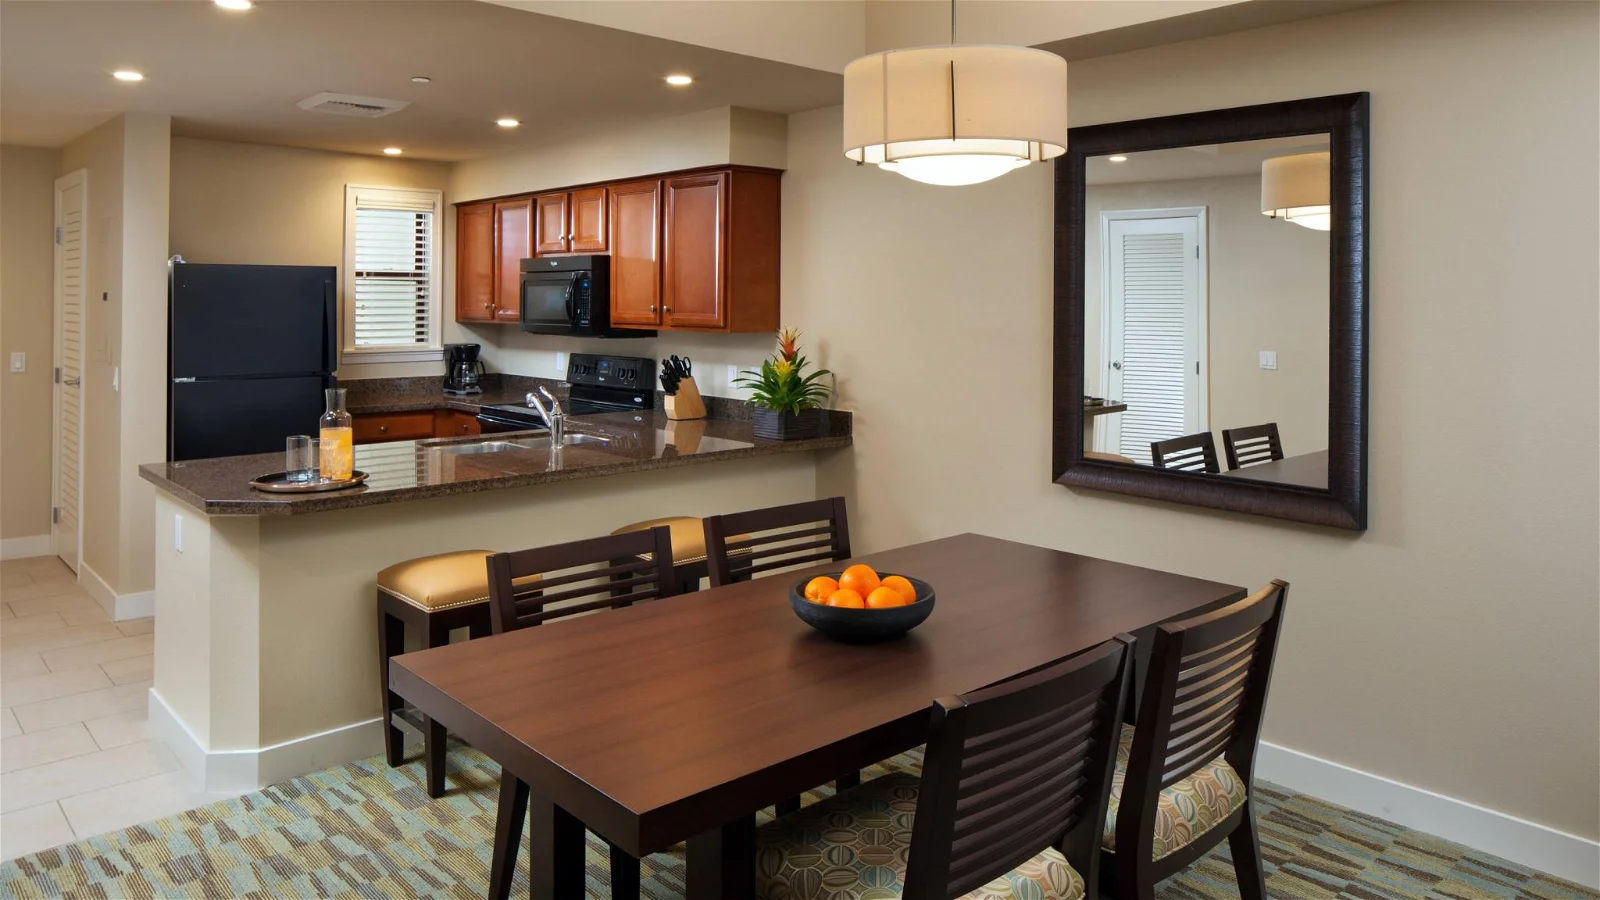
{"x": 570, "y": 295}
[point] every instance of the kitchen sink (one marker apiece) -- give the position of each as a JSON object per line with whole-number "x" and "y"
{"x": 503, "y": 446}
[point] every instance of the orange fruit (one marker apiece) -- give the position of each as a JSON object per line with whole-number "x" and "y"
{"x": 885, "y": 597}
{"x": 847, "y": 598}
{"x": 820, "y": 588}
{"x": 860, "y": 579}
{"x": 902, "y": 586}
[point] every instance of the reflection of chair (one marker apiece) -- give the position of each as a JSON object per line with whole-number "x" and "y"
{"x": 1108, "y": 457}
{"x": 1183, "y": 778}
{"x": 1251, "y": 446}
{"x": 1190, "y": 453}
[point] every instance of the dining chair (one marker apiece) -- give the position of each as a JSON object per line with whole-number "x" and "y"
{"x": 574, "y": 578}
{"x": 1251, "y": 445}
{"x": 1014, "y": 788}
{"x": 1190, "y": 453}
{"x": 742, "y": 545}
{"x": 1183, "y": 775}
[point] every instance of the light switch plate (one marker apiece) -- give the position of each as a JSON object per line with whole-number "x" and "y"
{"x": 19, "y": 361}
{"x": 733, "y": 373}
{"x": 1269, "y": 359}
{"x": 561, "y": 364}
{"x": 177, "y": 532}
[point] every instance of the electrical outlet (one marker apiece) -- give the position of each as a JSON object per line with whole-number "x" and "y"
{"x": 1269, "y": 359}
{"x": 733, "y": 373}
{"x": 19, "y": 362}
{"x": 177, "y": 532}
{"x": 561, "y": 364}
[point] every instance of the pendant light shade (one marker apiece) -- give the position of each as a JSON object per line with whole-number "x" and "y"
{"x": 960, "y": 114}
{"x": 1296, "y": 188}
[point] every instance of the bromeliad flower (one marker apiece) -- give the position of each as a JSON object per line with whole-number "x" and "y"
{"x": 782, "y": 383}
{"x": 788, "y": 339}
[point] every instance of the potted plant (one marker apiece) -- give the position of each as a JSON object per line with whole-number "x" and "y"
{"x": 787, "y": 401}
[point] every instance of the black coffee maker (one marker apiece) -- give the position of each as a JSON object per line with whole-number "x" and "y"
{"x": 463, "y": 369}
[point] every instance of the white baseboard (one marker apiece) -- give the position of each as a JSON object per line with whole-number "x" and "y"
{"x": 247, "y": 770}
{"x": 1525, "y": 843}
{"x": 24, "y": 547}
{"x": 120, "y": 607}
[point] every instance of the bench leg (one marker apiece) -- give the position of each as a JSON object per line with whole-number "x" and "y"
{"x": 434, "y": 735}
{"x": 391, "y": 642}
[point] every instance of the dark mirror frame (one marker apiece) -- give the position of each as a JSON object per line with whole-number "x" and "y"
{"x": 1344, "y": 118}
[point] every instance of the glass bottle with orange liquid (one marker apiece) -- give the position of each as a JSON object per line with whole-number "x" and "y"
{"x": 338, "y": 460}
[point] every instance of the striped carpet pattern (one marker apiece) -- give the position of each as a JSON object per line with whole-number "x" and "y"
{"x": 364, "y": 830}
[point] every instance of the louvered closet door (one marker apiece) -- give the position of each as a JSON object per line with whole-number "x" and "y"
{"x": 1155, "y": 319}
{"x": 70, "y": 202}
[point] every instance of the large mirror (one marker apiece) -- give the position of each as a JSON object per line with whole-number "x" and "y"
{"x": 1210, "y": 309}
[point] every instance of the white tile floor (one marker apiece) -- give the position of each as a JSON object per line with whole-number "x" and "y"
{"x": 74, "y": 757}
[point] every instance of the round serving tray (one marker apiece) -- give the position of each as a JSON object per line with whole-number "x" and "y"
{"x": 279, "y": 483}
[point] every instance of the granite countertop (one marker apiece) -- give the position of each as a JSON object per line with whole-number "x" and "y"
{"x": 413, "y": 470}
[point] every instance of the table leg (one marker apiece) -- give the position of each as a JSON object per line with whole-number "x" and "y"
{"x": 507, "y": 834}
{"x": 556, "y": 856}
{"x": 722, "y": 862}
{"x": 624, "y": 874}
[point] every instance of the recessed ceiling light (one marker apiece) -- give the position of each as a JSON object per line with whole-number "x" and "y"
{"x": 507, "y": 123}
{"x": 1117, "y": 158}
{"x": 679, "y": 80}
{"x": 235, "y": 5}
{"x": 127, "y": 75}
{"x": 393, "y": 151}
{"x": 421, "y": 79}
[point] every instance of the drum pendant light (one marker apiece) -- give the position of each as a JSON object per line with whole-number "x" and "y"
{"x": 960, "y": 114}
{"x": 1295, "y": 188}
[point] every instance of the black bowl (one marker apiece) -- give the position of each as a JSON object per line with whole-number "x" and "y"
{"x": 862, "y": 626}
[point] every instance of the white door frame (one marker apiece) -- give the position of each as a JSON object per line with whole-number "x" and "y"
{"x": 1102, "y": 443}
{"x": 80, "y": 179}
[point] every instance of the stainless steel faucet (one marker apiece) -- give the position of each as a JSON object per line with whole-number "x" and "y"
{"x": 554, "y": 415}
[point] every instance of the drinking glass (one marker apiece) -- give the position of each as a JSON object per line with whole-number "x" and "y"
{"x": 301, "y": 458}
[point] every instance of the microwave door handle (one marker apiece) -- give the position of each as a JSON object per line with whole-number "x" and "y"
{"x": 572, "y": 287}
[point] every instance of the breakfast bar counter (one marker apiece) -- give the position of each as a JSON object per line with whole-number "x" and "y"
{"x": 266, "y": 661}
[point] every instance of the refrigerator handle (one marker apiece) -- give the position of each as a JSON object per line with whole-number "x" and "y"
{"x": 330, "y": 339}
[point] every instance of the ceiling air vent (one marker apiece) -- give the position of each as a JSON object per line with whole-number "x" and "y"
{"x": 351, "y": 105}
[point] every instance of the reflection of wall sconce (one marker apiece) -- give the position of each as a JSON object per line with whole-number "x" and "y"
{"x": 1296, "y": 188}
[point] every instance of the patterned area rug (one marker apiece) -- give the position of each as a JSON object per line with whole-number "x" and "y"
{"x": 366, "y": 830}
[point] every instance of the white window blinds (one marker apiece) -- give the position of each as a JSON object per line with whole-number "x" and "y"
{"x": 391, "y": 260}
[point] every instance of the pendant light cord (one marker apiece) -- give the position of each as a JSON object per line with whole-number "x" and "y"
{"x": 952, "y": 23}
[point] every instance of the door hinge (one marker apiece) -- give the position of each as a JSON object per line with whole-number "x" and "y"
{"x": 1197, "y": 367}
{"x": 1196, "y": 251}
{"x": 58, "y": 234}
{"x": 58, "y": 374}
{"x": 55, "y": 515}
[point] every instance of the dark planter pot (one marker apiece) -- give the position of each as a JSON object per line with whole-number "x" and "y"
{"x": 771, "y": 425}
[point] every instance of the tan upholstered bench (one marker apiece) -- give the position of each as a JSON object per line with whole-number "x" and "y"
{"x": 688, "y": 548}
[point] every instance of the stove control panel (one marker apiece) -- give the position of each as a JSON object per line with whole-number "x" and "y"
{"x": 625, "y": 372}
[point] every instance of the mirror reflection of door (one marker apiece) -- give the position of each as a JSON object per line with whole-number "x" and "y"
{"x": 1153, "y": 324}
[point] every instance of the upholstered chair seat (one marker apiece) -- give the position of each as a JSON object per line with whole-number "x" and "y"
{"x": 1187, "y": 809}
{"x": 441, "y": 581}
{"x": 857, "y": 843}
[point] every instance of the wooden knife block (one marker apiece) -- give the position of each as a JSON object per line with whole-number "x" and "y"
{"x": 686, "y": 403}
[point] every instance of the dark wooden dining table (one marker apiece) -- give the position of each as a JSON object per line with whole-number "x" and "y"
{"x": 677, "y": 720}
{"x": 1308, "y": 470}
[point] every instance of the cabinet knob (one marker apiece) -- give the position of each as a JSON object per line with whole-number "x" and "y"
{"x": 488, "y": 306}
{"x": 666, "y": 309}
{"x": 652, "y": 307}
{"x": 383, "y": 428}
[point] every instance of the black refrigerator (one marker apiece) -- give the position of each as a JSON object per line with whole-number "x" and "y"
{"x": 250, "y": 350}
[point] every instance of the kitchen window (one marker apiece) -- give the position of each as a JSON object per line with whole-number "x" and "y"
{"x": 391, "y": 274}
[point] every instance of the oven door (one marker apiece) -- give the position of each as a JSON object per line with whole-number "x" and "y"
{"x": 549, "y": 302}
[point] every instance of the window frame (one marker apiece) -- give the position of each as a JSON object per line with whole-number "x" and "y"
{"x": 434, "y": 350}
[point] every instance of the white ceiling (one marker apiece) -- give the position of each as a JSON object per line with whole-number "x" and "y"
{"x": 1200, "y": 161}
{"x": 238, "y": 76}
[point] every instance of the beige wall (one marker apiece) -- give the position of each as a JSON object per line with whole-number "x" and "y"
{"x": 714, "y": 137}
{"x": 1453, "y": 646}
{"x": 27, "y": 215}
{"x": 280, "y": 206}
{"x": 1268, "y": 284}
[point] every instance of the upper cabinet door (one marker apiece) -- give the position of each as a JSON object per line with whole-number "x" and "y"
{"x": 552, "y": 223}
{"x": 694, "y": 293}
{"x": 635, "y": 211}
{"x": 475, "y": 262}
{"x": 587, "y": 212}
{"x": 513, "y": 226}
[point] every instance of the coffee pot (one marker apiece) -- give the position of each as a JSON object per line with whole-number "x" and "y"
{"x": 463, "y": 369}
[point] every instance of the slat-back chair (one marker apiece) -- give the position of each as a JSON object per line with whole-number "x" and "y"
{"x": 1015, "y": 784}
{"x": 1252, "y": 445}
{"x": 1198, "y": 726}
{"x": 579, "y": 577}
{"x": 1190, "y": 453}
{"x": 743, "y": 545}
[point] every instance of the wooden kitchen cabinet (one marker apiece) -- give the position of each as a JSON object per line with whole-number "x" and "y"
{"x": 455, "y": 423}
{"x": 513, "y": 224}
{"x": 475, "y": 257}
{"x": 635, "y": 238}
{"x": 551, "y": 218}
{"x": 586, "y": 213}
{"x": 720, "y": 251}
{"x": 403, "y": 426}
